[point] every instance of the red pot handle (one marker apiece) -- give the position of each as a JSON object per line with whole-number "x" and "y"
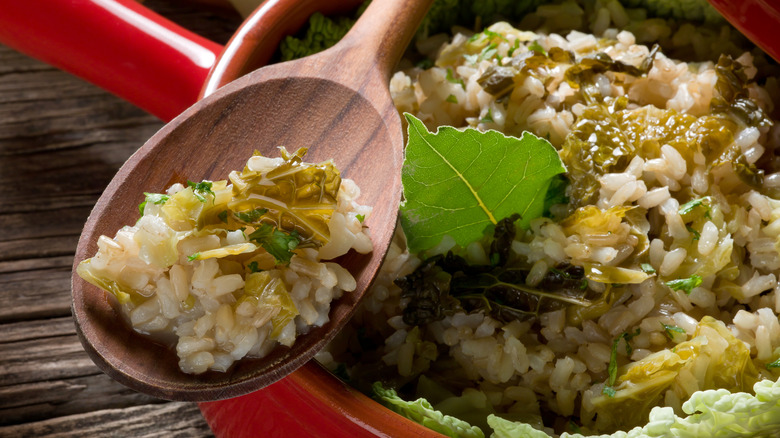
{"x": 756, "y": 19}
{"x": 118, "y": 45}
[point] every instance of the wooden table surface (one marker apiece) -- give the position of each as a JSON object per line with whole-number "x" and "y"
{"x": 61, "y": 141}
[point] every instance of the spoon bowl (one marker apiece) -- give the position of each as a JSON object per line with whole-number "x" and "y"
{"x": 335, "y": 103}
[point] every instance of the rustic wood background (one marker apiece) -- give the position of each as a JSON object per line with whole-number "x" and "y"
{"x": 61, "y": 141}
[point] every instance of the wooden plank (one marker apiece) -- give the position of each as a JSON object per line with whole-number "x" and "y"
{"x": 26, "y": 295}
{"x": 173, "y": 419}
{"x": 57, "y": 398}
{"x": 40, "y": 360}
{"x": 61, "y": 141}
{"x": 36, "y": 329}
{"x": 38, "y": 263}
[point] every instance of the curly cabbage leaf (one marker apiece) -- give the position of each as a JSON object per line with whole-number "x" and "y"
{"x": 422, "y": 412}
{"x": 225, "y": 251}
{"x": 123, "y": 293}
{"x": 711, "y": 413}
{"x": 271, "y": 298}
{"x": 459, "y": 183}
{"x": 712, "y": 359}
{"x": 294, "y": 196}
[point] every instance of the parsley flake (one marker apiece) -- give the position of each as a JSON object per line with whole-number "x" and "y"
{"x": 536, "y": 47}
{"x": 250, "y": 216}
{"x": 453, "y": 80}
{"x": 223, "y": 216}
{"x": 685, "y": 284}
{"x": 671, "y": 330}
{"x": 696, "y": 234}
{"x": 154, "y": 198}
{"x": 278, "y": 243}
{"x": 201, "y": 189}
{"x": 692, "y": 204}
{"x": 647, "y": 268}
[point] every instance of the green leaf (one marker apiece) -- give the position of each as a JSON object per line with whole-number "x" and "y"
{"x": 278, "y": 243}
{"x": 250, "y": 216}
{"x": 458, "y": 183}
{"x": 671, "y": 330}
{"x": 685, "y": 284}
{"x": 297, "y": 196}
{"x": 453, "y": 80}
{"x": 201, "y": 189}
{"x": 692, "y": 204}
{"x": 647, "y": 268}
{"x": 536, "y": 47}
{"x": 154, "y": 198}
{"x": 775, "y": 364}
{"x": 421, "y": 411}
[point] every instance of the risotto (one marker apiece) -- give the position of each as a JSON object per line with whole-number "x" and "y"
{"x": 226, "y": 269}
{"x": 668, "y": 233}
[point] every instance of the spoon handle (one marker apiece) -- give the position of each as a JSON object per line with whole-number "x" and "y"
{"x": 381, "y": 35}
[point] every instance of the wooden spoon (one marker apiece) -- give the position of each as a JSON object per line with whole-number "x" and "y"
{"x": 335, "y": 103}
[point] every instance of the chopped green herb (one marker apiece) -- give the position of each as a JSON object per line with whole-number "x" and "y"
{"x": 453, "y": 80}
{"x": 492, "y": 34}
{"x": 250, "y": 216}
{"x": 536, "y": 47}
{"x": 201, "y": 189}
{"x": 193, "y": 257}
{"x": 629, "y": 336}
{"x": 608, "y": 391}
{"x": 696, "y": 234}
{"x": 514, "y": 47}
{"x": 452, "y": 99}
{"x": 612, "y": 368}
{"x": 360, "y": 217}
{"x": 488, "y": 117}
{"x": 253, "y": 267}
{"x": 775, "y": 364}
{"x": 573, "y": 426}
{"x": 647, "y": 268}
{"x": 222, "y": 215}
{"x": 690, "y": 205}
{"x": 488, "y": 52}
{"x": 154, "y": 198}
{"x": 671, "y": 330}
{"x": 279, "y": 244}
{"x": 425, "y": 64}
{"x": 685, "y": 284}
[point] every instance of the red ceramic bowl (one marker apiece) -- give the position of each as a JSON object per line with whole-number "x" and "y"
{"x": 140, "y": 56}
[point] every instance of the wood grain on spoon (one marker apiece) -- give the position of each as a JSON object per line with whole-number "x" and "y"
{"x": 335, "y": 103}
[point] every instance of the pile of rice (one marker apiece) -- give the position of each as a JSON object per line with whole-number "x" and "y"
{"x": 201, "y": 307}
{"x": 545, "y": 366}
